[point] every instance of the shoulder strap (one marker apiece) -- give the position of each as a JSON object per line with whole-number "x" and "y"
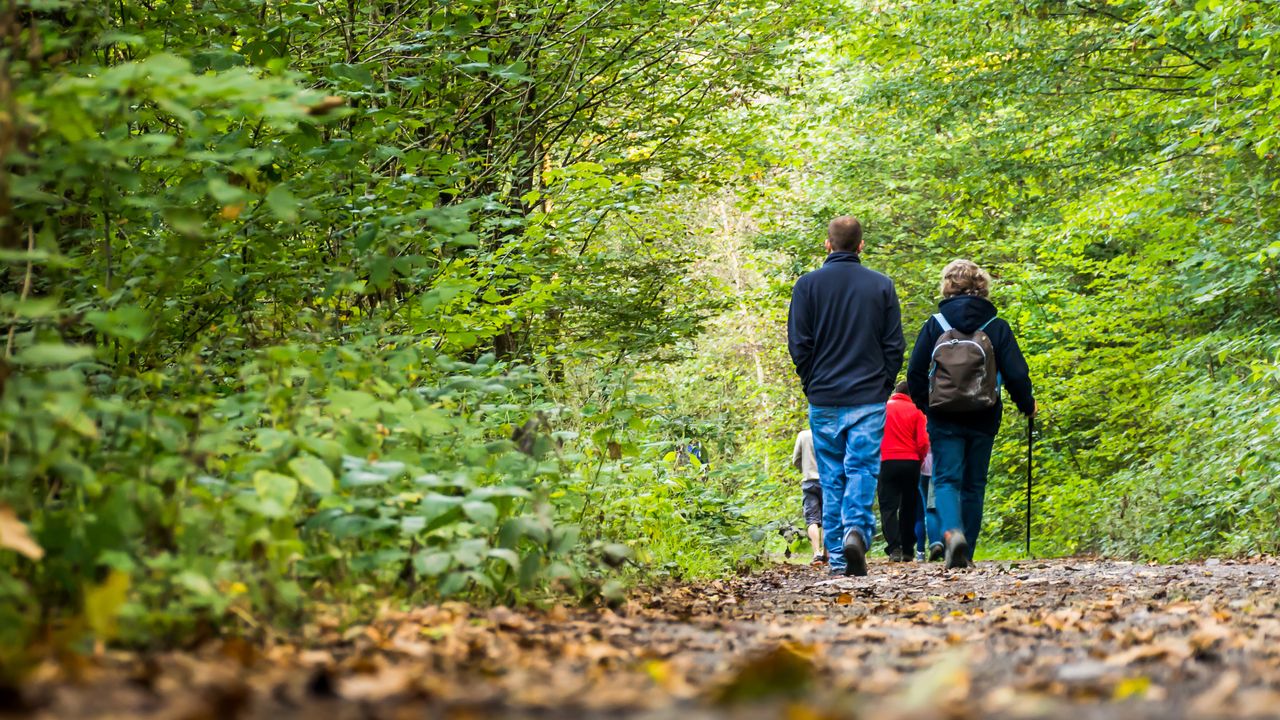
{"x": 985, "y": 324}
{"x": 946, "y": 326}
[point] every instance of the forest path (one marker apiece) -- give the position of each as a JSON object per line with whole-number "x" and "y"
{"x": 1074, "y": 638}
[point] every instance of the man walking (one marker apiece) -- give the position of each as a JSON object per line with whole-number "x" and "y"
{"x": 844, "y": 331}
{"x": 803, "y": 459}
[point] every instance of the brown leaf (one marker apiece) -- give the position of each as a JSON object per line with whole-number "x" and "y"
{"x": 1213, "y": 701}
{"x": 375, "y": 686}
{"x": 326, "y": 105}
{"x": 14, "y": 535}
{"x": 1172, "y": 650}
{"x": 1208, "y": 636}
{"x": 786, "y": 669}
{"x": 916, "y": 608}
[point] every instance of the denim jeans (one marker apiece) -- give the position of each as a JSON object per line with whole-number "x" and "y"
{"x": 846, "y": 441}
{"x": 922, "y": 497}
{"x": 961, "y": 458}
{"x": 932, "y": 526}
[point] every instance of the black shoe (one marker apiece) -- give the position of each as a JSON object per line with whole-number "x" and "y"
{"x": 957, "y": 551}
{"x": 895, "y": 555}
{"x": 855, "y": 554}
{"x": 936, "y": 551}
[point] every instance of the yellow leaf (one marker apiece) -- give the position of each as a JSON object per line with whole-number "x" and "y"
{"x": 102, "y": 604}
{"x": 14, "y": 535}
{"x": 231, "y": 212}
{"x": 1131, "y": 687}
{"x": 659, "y": 671}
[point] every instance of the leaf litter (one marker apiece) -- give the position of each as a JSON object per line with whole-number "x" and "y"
{"x": 1071, "y": 639}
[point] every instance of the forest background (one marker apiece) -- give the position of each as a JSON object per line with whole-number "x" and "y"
{"x": 317, "y": 305}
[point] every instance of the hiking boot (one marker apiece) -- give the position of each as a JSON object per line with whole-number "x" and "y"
{"x": 957, "y": 551}
{"x": 855, "y": 553}
{"x": 919, "y": 556}
{"x": 819, "y": 559}
{"x": 936, "y": 551}
{"x": 895, "y": 555}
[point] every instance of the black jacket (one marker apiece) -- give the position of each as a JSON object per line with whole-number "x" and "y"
{"x": 844, "y": 331}
{"x": 967, "y": 314}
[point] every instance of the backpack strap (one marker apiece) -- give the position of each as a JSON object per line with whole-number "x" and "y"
{"x": 946, "y": 326}
{"x": 985, "y": 324}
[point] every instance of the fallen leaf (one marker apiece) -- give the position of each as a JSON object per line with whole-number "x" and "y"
{"x": 1172, "y": 650}
{"x": 1214, "y": 700}
{"x": 786, "y": 669}
{"x": 1131, "y": 687}
{"x": 943, "y": 684}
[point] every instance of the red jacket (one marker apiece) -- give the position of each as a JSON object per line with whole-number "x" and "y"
{"x": 905, "y": 436}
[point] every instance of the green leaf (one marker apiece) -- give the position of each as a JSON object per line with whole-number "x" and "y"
{"x": 432, "y": 564}
{"x": 356, "y": 74}
{"x": 507, "y": 556}
{"x": 312, "y": 472}
{"x": 282, "y": 203}
{"x": 195, "y": 582}
{"x": 276, "y": 491}
{"x": 128, "y": 322}
{"x": 225, "y": 193}
{"x": 564, "y": 538}
{"x": 49, "y": 354}
{"x": 452, "y": 584}
{"x": 481, "y": 513}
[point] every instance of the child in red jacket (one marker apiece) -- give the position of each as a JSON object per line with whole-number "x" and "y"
{"x": 904, "y": 447}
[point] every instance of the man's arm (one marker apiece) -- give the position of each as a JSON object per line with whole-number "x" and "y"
{"x": 892, "y": 345}
{"x": 800, "y": 332}
{"x": 918, "y": 366}
{"x": 795, "y": 455}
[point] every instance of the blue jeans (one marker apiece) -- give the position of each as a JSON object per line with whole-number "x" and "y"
{"x": 932, "y": 524}
{"x": 961, "y": 458}
{"x": 920, "y": 513}
{"x": 846, "y": 441}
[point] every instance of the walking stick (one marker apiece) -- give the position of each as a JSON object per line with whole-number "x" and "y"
{"x": 1031, "y": 424}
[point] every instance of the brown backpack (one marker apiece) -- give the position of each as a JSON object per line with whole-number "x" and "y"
{"x": 963, "y": 377}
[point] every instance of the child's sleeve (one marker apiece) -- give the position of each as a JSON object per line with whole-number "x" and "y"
{"x": 922, "y": 435}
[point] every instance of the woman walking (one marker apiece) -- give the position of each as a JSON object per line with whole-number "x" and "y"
{"x": 962, "y": 357}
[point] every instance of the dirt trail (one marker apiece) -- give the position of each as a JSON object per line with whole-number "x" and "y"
{"x": 1065, "y": 639}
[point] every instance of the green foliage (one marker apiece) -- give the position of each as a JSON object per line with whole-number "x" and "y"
{"x": 1112, "y": 165}
{"x": 331, "y": 302}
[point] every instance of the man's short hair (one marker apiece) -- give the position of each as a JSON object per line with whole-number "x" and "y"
{"x": 845, "y": 234}
{"x": 901, "y": 387}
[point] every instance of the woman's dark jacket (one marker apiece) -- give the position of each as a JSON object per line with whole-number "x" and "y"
{"x": 966, "y": 314}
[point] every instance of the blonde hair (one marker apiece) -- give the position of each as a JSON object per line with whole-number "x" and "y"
{"x": 964, "y": 277}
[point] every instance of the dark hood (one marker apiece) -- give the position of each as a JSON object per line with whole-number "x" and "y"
{"x": 967, "y": 313}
